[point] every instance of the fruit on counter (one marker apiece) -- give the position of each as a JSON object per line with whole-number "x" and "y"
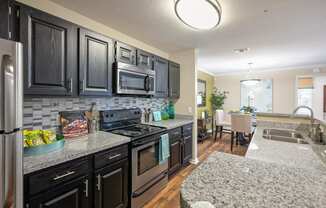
{"x": 38, "y": 137}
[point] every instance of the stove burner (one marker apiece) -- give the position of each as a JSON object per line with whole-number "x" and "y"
{"x": 136, "y": 130}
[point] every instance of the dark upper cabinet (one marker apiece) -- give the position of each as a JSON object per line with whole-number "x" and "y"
{"x": 126, "y": 53}
{"x": 111, "y": 186}
{"x": 174, "y": 80}
{"x": 5, "y": 13}
{"x": 161, "y": 67}
{"x": 96, "y": 54}
{"x": 144, "y": 60}
{"x": 50, "y": 53}
{"x": 74, "y": 194}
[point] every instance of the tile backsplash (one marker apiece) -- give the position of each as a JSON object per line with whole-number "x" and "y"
{"x": 43, "y": 113}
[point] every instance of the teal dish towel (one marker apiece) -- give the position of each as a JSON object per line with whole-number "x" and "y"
{"x": 164, "y": 148}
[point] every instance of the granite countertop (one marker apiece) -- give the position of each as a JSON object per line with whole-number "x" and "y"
{"x": 180, "y": 120}
{"x": 74, "y": 148}
{"x": 227, "y": 180}
{"x": 291, "y": 154}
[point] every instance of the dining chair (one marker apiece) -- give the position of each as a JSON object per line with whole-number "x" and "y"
{"x": 222, "y": 122}
{"x": 241, "y": 123}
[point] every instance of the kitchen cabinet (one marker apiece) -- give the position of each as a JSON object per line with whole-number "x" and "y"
{"x": 144, "y": 60}
{"x": 74, "y": 194}
{"x": 187, "y": 144}
{"x": 50, "y": 53}
{"x": 180, "y": 148}
{"x": 125, "y": 53}
{"x": 161, "y": 67}
{"x": 111, "y": 187}
{"x": 96, "y": 54}
{"x": 100, "y": 180}
{"x": 5, "y": 13}
{"x": 174, "y": 80}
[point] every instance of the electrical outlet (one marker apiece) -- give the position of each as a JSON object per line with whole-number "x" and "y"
{"x": 190, "y": 109}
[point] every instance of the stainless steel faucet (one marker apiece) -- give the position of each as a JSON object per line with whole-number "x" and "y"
{"x": 315, "y": 131}
{"x": 306, "y": 107}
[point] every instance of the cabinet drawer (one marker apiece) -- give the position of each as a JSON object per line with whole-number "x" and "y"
{"x": 109, "y": 156}
{"x": 56, "y": 175}
{"x": 175, "y": 133}
{"x": 187, "y": 130}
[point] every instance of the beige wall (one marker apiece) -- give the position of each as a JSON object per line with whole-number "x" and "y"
{"x": 284, "y": 88}
{"x": 186, "y": 104}
{"x": 57, "y": 10}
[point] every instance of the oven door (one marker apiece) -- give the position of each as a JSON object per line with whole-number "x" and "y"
{"x": 134, "y": 82}
{"x": 145, "y": 163}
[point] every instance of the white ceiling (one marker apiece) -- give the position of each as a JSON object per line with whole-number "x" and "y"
{"x": 291, "y": 34}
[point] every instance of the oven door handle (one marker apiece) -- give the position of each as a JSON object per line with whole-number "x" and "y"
{"x": 145, "y": 143}
{"x": 141, "y": 191}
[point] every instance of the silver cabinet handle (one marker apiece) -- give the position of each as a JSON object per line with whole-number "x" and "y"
{"x": 114, "y": 156}
{"x": 69, "y": 82}
{"x": 86, "y": 187}
{"x": 98, "y": 185}
{"x": 64, "y": 175}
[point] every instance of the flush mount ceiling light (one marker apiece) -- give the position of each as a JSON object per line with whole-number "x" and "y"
{"x": 199, "y": 14}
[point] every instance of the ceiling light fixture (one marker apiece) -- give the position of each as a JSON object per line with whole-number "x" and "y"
{"x": 250, "y": 81}
{"x": 199, "y": 14}
{"x": 241, "y": 50}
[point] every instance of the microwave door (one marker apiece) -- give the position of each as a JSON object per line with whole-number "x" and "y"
{"x": 131, "y": 82}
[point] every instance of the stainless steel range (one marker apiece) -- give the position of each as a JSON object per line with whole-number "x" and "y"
{"x": 148, "y": 175}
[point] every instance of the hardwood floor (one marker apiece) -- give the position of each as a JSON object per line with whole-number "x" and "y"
{"x": 169, "y": 197}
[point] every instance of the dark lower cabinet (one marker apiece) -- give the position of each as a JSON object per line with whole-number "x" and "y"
{"x": 75, "y": 194}
{"x": 50, "y": 53}
{"x": 111, "y": 186}
{"x": 161, "y": 67}
{"x": 175, "y": 161}
{"x": 96, "y": 56}
{"x": 187, "y": 149}
{"x": 180, "y": 148}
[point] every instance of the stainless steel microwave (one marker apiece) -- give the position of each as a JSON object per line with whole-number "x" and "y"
{"x": 132, "y": 80}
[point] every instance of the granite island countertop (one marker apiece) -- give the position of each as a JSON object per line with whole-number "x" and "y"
{"x": 227, "y": 180}
{"x": 290, "y": 154}
{"x": 172, "y": 123}
{"x": 73, "y": 149}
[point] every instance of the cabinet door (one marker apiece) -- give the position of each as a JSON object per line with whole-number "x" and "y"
{"x": 111, "y": 186}
{"x": 95, "y": 63}
{"x": 174, "y": 80}
{"x": 175, "y": 157}
{"x": 71, "y": 195}
{"x": 5, "y": 19}
{"x": 161, "y": 67}
{"x": 125, "y": 53}
{"x": 187, "y": 149}
{"x": 50, "y": 59}
{"x": 144, "y": 60}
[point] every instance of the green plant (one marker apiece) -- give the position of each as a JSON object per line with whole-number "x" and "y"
{"x": 248, "y": 109}
{"x": 217, "y": 98}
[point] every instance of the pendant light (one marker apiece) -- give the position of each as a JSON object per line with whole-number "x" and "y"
{"x": 250, "y": 81}
{"x": 199, "y": 14}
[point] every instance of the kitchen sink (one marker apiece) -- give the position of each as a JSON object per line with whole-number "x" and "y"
{"x": 290, "y": 136}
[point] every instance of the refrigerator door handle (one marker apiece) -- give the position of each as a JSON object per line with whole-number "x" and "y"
{"x": 13, "y": 170}
{"x": 12, "y": 90}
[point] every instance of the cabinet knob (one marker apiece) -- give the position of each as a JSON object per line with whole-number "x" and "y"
{"x": 86, "y": 188}
{"x": 98, "y": 185}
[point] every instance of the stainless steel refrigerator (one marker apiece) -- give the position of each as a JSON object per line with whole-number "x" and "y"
{"x": 11, "y": 116}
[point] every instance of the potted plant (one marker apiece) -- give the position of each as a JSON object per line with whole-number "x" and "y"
{"x": 217, "y": 99}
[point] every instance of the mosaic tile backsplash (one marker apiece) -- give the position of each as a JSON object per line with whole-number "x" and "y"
{"x": 43, "y": 113}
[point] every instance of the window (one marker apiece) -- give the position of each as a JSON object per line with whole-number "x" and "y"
{"x": 258, "y": 94}
{"x": 304, "y": 93}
